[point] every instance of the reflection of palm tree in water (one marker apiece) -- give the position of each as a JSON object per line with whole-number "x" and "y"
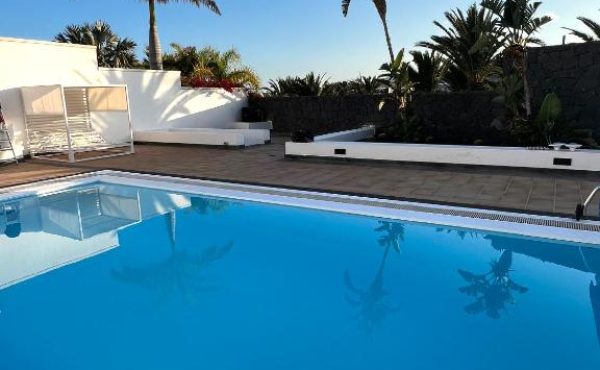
{"x": 595, "y": 298}
{"x": 182, "y": 271}
{"x": 372, "y": 308}
{"x": 204, "y": 206}
{"x": 462, "y": 234}
{"x": 492, "y": 290}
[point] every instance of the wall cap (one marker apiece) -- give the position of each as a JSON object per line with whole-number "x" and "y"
{"x": 45, "y": 42}
{"x": 108, "y": 69}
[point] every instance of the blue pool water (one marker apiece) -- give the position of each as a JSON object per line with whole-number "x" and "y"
{"x": 109, "y": 277}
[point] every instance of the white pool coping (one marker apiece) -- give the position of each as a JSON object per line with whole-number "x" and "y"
{"x": 356, "y": 205}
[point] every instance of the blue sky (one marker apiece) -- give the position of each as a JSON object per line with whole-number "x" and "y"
{"x": 275, "y": 37}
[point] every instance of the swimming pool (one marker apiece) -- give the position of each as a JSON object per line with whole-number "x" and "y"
{"x": 107, "y": 276}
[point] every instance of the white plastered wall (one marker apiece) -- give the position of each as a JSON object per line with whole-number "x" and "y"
{"x": 156, "y": 97}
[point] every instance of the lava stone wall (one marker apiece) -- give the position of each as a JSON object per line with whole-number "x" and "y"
{"x": 324, "y": 114}
{"x": 458, "y": 117}
{"x": 572, "y": 72}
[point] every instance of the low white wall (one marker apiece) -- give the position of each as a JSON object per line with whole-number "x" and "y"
{"x": 583, "y": 160}
{"x": 156, "y": 97}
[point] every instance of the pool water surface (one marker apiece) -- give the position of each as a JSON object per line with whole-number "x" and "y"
{"x": 121, "y": 278}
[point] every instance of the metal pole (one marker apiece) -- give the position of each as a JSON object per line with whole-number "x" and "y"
{"x": 4, "y": 130}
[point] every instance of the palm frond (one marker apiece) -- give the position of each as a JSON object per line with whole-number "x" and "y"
{"x": 209, "y": 4}
{"x": 346, "y": 7}
{"x": 593, "y": 26}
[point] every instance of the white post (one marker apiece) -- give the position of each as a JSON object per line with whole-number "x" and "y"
{"x": 66, "y": 117}
{"x": 131, "y": 145}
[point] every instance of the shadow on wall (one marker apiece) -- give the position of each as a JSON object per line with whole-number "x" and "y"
{"x": 213, "y": 108}
{"x": 157, "y": 100}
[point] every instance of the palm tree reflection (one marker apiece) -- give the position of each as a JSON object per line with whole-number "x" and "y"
{"x": 183, "y": 271}
{"x": 493, "y": 290}
{"x": 595, "y": 298}
{"x": 204, "y": 206}
{"x": 393, "y": 235}
{"x": 372, "y": 309}
{"x": 462, "y": 234}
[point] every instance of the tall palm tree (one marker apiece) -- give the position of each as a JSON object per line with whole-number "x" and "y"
{"x": 587, "y": 37}
{"x": 517, "y": 20}
{"x": 155, "y": 52}
{"x": 426, "y": 70}
{"x": 471, "y": 43}
{"x": 381, "y": 6}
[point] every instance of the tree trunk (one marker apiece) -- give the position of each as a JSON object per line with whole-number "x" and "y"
{"x": 528, "y": 108}
{"x": 154, "y": 50}
{"x": 388, "y": 39}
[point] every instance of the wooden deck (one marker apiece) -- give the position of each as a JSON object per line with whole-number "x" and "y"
{"x": 507, "y": 189}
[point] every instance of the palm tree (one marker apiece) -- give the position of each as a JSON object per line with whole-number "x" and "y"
{"x": 183, "y": 59}
{"x": 121, "y": 54}
{"x": 104, "y": 38}
{"x": 310, "y": 85}
{"x": 427, "y": 70}
{"x": 367, "y": 85}
{"x": 592, "y": 25}
{"x": 396, "y": 78}
{"x": 111, "y": 50}
{"x": 155, "y": 52}
{"x": 75, "y": 34}
{"x": 517, "y": 18}
{"x": 471, "y": 43}
{"x": 313, "y": 85}
{"x": 224, "y": 66}
{"x": 518, "y": 21}
{"x": 343, "y": 88}
{"x": 381, "y": 6}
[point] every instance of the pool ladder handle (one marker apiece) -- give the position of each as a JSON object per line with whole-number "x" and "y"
{"x": 580, "y": 210}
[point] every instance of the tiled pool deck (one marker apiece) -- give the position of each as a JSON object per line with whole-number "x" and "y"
{"x": 521, "y": 190}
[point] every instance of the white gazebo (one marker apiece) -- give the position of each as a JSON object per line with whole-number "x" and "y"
{"x": 77, "y": 123}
